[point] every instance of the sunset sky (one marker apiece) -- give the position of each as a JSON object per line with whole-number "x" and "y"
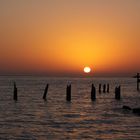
{"x": 61, "y": 37}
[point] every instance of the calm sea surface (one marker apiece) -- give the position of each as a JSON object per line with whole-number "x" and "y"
{"x": 31, "y": 118}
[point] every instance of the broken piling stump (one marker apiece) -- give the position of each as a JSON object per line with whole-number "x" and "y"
{"x": 100, "y": 86}
{"x": 68, "y": 93}
{"x": 118, "y": 93}
{"x": 45, "y": 91}
{"x": 93, "y": 93}
{"x": 15, "y": 96}
{"x": 107, "y": 88}
{"x": 104, "y": 88}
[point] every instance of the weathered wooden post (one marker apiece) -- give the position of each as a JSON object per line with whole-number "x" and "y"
{"x": 138, "y": 81}
{"x": 118, "y": 93}
{"x": 15, "y": 97}
{"x": 107, "y": 88}
{"x": 100, "y": 86}
{"x": 68, "y": 93}
{"x": 93, "y": 93}
{"x": 45, "y": 91}
{"x": 104, "y": 88}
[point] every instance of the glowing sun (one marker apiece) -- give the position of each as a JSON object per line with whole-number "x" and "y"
{"x": 87, "y": 69}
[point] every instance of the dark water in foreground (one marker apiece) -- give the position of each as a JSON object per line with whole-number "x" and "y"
{"x": 31, "y": 118}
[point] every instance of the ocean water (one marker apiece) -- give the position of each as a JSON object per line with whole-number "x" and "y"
{"x": 31, "y": 118}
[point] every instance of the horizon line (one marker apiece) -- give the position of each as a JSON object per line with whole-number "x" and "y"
{"x": 71, "y": 76}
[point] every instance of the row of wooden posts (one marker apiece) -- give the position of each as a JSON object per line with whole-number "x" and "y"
{"x": 105, "y": 88}
{"x": 68, "y": 92}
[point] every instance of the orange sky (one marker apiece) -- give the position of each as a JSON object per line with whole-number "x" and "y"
{"x": 61, "y": 37}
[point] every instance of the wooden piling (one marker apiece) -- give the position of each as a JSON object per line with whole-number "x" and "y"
{"x": 68, "y": 93}
{"x": 104, "y": 88}
{"x": 107, "y": 88}
{"x": 100, "y": 86}
{"x": 15, "y": 97}
{"x": 93, "y": 93}
{"x": 138, "y": 81}
{"x": 118, "y": 93}
{"x": 45, "y": 91}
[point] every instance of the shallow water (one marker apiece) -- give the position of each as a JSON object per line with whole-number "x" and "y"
{"x": 31, "y": 118}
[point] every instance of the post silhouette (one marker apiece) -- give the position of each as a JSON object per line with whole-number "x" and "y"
{"x": 104, "y": 88}
{"x": 138, "y": 81}
{"x": 45, "y": 91}
{"x": 118, "y": 93}
{"x": 107, "y": 88}
{"x": 100, "y": 86}
{"x": 68, "y": 93}
{"x": 15, "y": 97}
{"x": 93, "y": 93}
